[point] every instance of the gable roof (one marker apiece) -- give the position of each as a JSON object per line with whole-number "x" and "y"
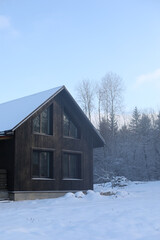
{"x": 14, "y": 113}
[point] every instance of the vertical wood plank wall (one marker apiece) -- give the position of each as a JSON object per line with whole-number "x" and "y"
{"x": 7, "y": 160}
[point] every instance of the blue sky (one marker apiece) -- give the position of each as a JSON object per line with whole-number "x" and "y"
{"x": 49, "y": 43}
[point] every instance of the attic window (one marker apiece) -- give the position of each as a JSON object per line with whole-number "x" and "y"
{"x": 69, "y": 127}
{"x": 42, "y": 123}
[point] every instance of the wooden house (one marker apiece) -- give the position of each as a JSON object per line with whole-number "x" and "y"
{"x": 46, "y": 146}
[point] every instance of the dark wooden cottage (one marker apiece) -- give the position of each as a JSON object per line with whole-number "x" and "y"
{"x": 46, "y": 146}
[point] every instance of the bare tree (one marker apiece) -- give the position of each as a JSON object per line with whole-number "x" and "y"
{"x": 99, "y": 93}
{"x": 109, "y": 94}
{"x": 112, "y": 86}
{"x": 111, "y": 89}
{"x": 86, "y": 93}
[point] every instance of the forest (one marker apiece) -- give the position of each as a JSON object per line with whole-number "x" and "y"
{"x": 132, "y": 146}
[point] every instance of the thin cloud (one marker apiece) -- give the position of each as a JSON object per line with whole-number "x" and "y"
{"x": 6, "y": 26}
{"x": 4, "y": 22}
{"x": 150, "y": 78}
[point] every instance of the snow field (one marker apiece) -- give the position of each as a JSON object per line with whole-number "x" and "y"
{"x": 133, "y": 213}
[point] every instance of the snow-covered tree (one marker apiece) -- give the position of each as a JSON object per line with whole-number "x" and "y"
{"x": 134, "y": 123}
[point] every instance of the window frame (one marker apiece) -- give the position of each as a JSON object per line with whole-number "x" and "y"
{"x": 69, "y": 177}
{"x": 50, "y": 121}
{"x": 51, "y": 161}
{"x": 72, "y": 122}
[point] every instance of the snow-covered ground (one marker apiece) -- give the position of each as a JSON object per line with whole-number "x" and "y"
{"x": 132, "y": 213}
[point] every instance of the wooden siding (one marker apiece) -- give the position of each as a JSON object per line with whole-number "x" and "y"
{"x": 26, "y": 141}
{"x": 3, "y": 179}
{"x": 7, "y": 160}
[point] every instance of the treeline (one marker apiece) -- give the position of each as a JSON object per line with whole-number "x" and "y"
{"x": 132, "y": 151}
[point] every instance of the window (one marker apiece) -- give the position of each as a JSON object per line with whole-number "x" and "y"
{"x": 43, "y": 122}
{"x": 42, "y": 164}
{"x": 69, "y": 128}
{"x": 71, "y": 165}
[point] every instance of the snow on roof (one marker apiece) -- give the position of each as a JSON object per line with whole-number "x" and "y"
{"x": 14, "y": 112}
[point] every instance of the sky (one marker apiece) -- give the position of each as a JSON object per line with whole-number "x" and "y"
{"x": 49, "y": 43}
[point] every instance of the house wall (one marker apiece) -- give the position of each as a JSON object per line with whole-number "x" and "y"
{"x": 26, "y": 141}
{"x": 7, "y": 160}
